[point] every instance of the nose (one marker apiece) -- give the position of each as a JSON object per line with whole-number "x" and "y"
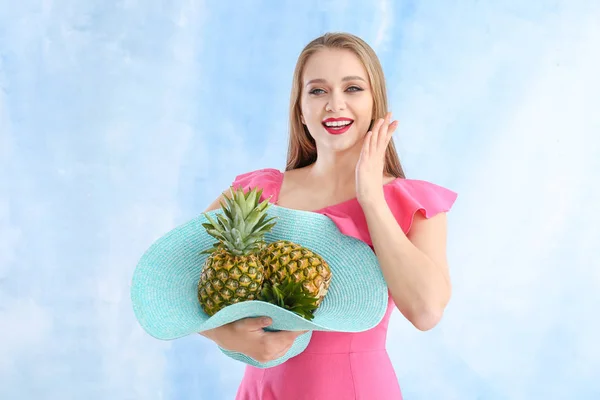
{"x": 336, "y": 103}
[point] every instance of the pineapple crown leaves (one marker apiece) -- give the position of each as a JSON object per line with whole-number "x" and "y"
{"x": 243, "y": 223}
{"x": 289, "y": 295}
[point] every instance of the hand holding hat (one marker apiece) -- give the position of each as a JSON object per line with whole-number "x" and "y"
{"x": 247, "y": 336}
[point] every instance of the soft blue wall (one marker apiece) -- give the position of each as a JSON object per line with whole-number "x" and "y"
{"x": 120, "y": 120}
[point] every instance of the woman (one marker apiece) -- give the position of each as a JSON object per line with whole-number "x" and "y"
{"x": 342, "y": 163}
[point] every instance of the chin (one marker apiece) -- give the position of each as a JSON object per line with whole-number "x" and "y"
{"x": 340, "y": 143}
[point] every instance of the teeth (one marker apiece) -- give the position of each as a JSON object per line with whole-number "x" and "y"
{"x": 338, "y": 123}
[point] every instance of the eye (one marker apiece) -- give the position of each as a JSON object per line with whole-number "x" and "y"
{"x": 316, "y": 91}
{"x": 354, "y": 89}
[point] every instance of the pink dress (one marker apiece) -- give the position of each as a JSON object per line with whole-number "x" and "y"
{"x": 342, "y": 366}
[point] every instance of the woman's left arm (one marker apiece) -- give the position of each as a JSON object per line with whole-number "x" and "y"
{"x": 414, "y": 266}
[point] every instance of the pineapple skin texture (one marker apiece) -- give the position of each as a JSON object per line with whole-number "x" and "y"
{"x": 228, "y": 279}
{"x": 285, "y": 258}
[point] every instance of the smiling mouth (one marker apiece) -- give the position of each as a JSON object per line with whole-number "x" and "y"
{"x": 337, "y": 127}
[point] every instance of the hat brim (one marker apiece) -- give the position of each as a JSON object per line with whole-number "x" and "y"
{"x": 164, "y": 285}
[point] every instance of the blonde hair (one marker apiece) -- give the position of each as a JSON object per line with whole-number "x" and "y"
{"x": 302, "y": 150}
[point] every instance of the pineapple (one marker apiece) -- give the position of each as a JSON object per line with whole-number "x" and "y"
{"x": 289, "y": 295}
{"x": 285, "y": 259}
{"x": 233, "y": 271}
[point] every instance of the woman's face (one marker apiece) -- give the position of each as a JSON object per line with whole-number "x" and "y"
{"x": 337, "y": 101}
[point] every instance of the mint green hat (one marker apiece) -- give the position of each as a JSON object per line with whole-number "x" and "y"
{"x": 164, "y": 285}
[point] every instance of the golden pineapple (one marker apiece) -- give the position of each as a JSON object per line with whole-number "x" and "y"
{"x": 289, "y": 295}
{"x": 233, "y": 271}
{"x": 283, "y": 259}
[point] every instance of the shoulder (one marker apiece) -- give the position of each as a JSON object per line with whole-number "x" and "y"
{"x": 267, "y": 179}
{"x": 412, "y": 199}
{"x": 257, "y": 177}
{"x": 425, "y": 192}
{"x": 259, "y": 173}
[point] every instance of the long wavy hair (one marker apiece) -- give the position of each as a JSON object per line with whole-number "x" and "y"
{"x": 302, "y": 150}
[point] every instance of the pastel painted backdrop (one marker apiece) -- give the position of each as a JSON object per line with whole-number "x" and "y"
{"x": 122, "y": 119}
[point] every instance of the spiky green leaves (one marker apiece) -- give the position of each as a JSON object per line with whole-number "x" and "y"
{"x": 241, "y": 227}
{"x": 290, "y": 296}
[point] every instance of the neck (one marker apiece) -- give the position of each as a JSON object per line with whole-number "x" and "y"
{"x": 336, "y": 170}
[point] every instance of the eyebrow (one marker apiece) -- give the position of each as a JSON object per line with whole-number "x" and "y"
{"x": 346, "y": 78}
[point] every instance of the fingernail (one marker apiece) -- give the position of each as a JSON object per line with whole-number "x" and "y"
{"x": 266, "y": 321}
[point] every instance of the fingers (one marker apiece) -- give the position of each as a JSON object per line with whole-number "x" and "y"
{"x": 386, "y": 132}
{"x": 281, "y": 353}
{"x": 381, "y": 134}
{"x": 383, "y": 130}
{"x": 277, "y": 344}
{"x": 248, "y": 336}
{"x": 253, "y": 324}
{"x": 377, "y": 132}
{"x": 371, "y": 138}
{"x": 392, "y": 128}
{"x": 283, "y": 343}
{"x": 286, "y": 345}
{"x": 367, "y": 143}
{"x": 283, "y": 340}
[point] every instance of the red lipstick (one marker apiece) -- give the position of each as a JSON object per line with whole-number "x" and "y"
{"x": 340, "y": 128}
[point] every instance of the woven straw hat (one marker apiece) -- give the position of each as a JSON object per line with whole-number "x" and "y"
{"x": 164, "y": 286}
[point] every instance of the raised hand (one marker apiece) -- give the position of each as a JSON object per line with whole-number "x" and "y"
{"x": 370, "y": 165}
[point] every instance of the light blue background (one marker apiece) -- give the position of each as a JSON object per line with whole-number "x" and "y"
{"x": 120, "y": 120}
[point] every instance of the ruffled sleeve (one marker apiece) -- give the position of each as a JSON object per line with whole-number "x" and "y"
{"x": 268, "y": 179}
{"x": 405, "y": 197}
